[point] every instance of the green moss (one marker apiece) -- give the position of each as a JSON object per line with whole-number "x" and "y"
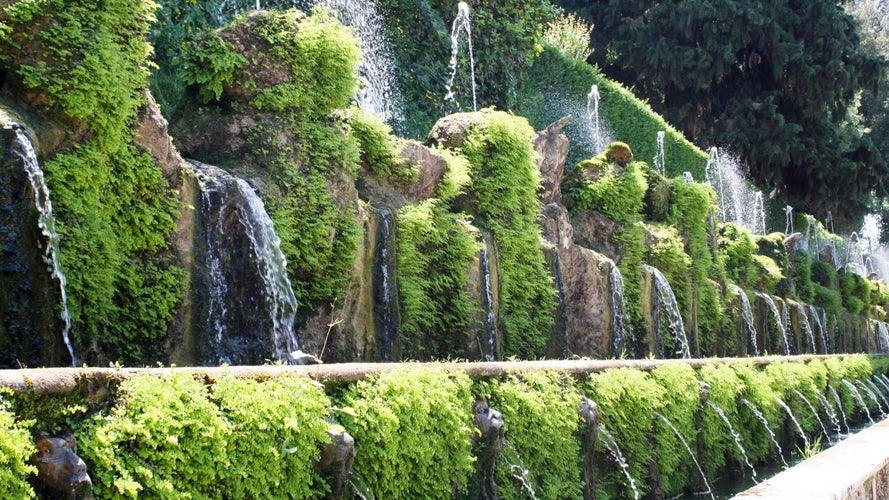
{"x": 210, "y": 64}
{"x": 504, "y": 187}
{"x": 758, "y": 392}
{"x": 412, "y": 428}
{"x": 538, "y": 408}
{"x": 16, "y": 447}
{"x": 380, "y": 150}
{"x": 616, "y": 192}
{"x": 163, "y": 438}
{"x": 735, "y": 253}
{"x": 855, "y": 292}
{"x": 277, "y": 430}
{"x": 435, "y": 250}
{"x": 456, "y": 179}
{"x": 720, "y": 449}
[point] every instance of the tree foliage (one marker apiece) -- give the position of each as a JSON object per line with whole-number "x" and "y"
{"x": 775, "y": 80}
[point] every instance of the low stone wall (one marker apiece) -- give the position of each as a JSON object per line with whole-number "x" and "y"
{"x": 64, "y": 380}
{"x": 856, "y": 468}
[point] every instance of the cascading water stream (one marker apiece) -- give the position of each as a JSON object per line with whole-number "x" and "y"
{"x": 618, "y": 306}
{"x": 461, "y": 24}
{"x": 713, "y": 172}
{"x": 765, "y": 424}
{"x": 881, "y": 378}
{"x": 384, "y": 288}
{"x": 805, "y": 326}
{"x": 271, "y": 264}
{"x": 668, "y": 305}
{"x": 854, "y": 391}
{"x": 359, "y": 486}
{"x": 814, "y": 413}
{"x": 836, "y": 398}
{"x": 876, "y": 390}
{"x": 788, "y": 215}
{"x": 793, "y": 419}
{"x": 47, "y": 224}
{"x": 759, "y": 210}
{"x": 737, "y": 200}
{"x": 611, "y": 444}
{"x": 517, "y": 468}
{"x": 813, "y": 313}
{"x": 873, "y": 397}
{"x": 882, "y": 337}
{"x": 735, "y": 435}
{"x": 779, "y": 322}
{"x": 690, "y": 453}
{"x": 490, "y": 318}
{"x": 747, "y": 317}
{"x": 592, "y": 110}
{"x": 659, "y": 160}
{"x": 831, "y": 413}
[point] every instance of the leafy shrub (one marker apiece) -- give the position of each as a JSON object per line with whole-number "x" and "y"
{"x": 735, "y": 253}
{"x": 720, "y": 448}
{"x": 569, "y": 34}
{"x": 537, "y": 408}
{"x": 435, "y": 250}
{"x": 456, "y": 178}
{"x": 163, "y": 438}
{"x": 760, "y": 394}
{"x": 16, "y": 447}
{"x": 211, "y": 65}
{"x": 277, "y": 429}
{"x": 379, "y": 148}
{"x": 412, "y": 430}
{"x": 618, "y": 194}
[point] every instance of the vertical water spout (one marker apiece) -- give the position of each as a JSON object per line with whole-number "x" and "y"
{"x": 747, "y": 317}
{"x": 759, "y": 217}
{"x": 490, "y": 318}
{"x": 666, "y": 303}
{"x": 659, "y": 161}
{"x": 592, "y": 110}
{"x": 788, "y": 227}
{"x": 47, "y": 224}
{"x": 384, "y": 287}
{"x": 461, "y": 24}
{"x": 713, "y": 173}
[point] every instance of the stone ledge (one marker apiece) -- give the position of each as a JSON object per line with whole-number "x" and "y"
{"x": 856, "y": 468}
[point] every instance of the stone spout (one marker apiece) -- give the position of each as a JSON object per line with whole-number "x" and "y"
{"x": 489, "y": 441}
{"x": 589, "y": 415}
{"x": 60, "y": 472}
{"x": 337, "y": 459}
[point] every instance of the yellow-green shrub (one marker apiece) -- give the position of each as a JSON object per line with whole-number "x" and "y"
{"x": 15, "y": 449}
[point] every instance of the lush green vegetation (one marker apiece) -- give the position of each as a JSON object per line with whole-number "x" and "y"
{"x": 176, "y": 434}
{"x": 504, "y": 187}
{"x": 15, "y": 449}
{"x": 756, "y": 76}
{"x": 85, "y": 65}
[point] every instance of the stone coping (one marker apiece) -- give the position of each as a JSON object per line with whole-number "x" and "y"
{"x": 855, "y": 468}
{"x": 65, "y": 380}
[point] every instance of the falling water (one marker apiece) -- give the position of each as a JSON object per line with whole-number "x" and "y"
{"x": 836, "y": 397}
{"x": 490, "y": 319}
{"x": 691, "y": 454}
{"x": 618, "y": 306}
{"x": 738, "y": 201}
{"x": 610, "y": 443}
{"x": 786, "y": 324}
{"x": 47, "y": 224}
{"x": 765, "y": 423}
{"x": 858, "y": 398}
{"x": 777, "y": 317}
{"x": 799, "y": 428}
{"x": 381, "y": 95}
{"x": 882, "y": 337}
{"x": 687, "y": 176}
{"x": 517, "y": 468}
{"x": 747, "y": 317}
{"x": 265, "y": 245}
{"x": 735, "y": 435}
{"x": 713, "y": 172}
{"x": 814, "y": 412}
{"x": 805, "y": 326}
{"x": 788, "y": 212}
{"x": 830, "y": 413}
{"x": 759, "y": 212}
{"x": 813, "y": 313}
{"x": 873, "y": 397}
{"x": 592, "y": 110}
{"x": 461, "y": 24}
{"x": 384, "y": 288}
{"x": 881, "y": 378}
{"x": 667, "y": 301}
{"x": 876, "y": 390}
{"x": 659, "y": 161}
{"x": 359, "y": 485}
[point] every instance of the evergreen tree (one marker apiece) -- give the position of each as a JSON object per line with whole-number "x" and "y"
{"x": 776, "y": 81}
